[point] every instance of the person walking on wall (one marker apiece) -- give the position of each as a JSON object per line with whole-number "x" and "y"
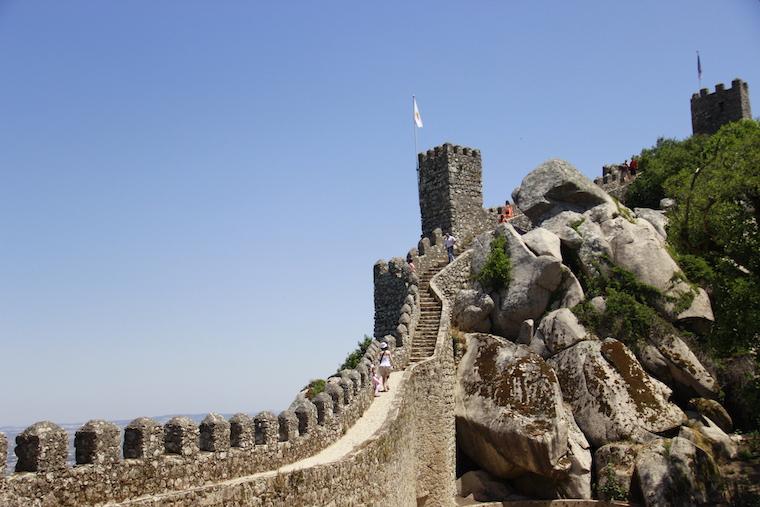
{"x": 385, "y": 365}
{"x": 449, "y": 241}
{"x": 377, "y": 382}
{"x": 410, "y": 262}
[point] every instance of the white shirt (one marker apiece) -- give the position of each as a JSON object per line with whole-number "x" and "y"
{"x": 449, "y": 241}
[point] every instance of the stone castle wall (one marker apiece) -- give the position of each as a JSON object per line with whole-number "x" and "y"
{"x": 231, "y": 462}
{"x": 409, "y": 461}
{"x": 710, "y": 111}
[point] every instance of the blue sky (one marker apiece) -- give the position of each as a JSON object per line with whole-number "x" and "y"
{"x": 193, "y": 194}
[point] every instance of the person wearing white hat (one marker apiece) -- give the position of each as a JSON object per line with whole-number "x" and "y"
{"x": 385, "y": 365}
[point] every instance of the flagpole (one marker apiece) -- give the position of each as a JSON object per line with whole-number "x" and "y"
{"x": 414, "y": 129}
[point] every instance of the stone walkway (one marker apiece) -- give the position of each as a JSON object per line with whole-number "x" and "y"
{"x": 364, "y": 428}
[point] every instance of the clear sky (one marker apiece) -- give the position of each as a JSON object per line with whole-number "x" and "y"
{"x": 193, "y": 193}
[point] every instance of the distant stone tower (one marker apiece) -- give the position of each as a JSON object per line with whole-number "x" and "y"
{"x": 450, "y": 188}
{"x": 710, "y": 111}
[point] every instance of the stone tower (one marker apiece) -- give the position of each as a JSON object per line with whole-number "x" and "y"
{"x": 450, "y": 188}
{"x": 710, "y": 111}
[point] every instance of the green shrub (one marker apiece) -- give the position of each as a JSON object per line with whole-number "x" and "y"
{"x": 315, "y": 387}
{"x": 352, "y": 360}
{"x": 696, "y": 269}
{"x": 622, "y": 280}
{"x": 629, "y": 315}
{"x": 496, "y": 272}
{"x": 611, "y": 489}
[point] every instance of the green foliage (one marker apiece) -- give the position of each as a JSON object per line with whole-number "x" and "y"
{"x": 352, "y": 359}
{"x": 621, "y": 280}
{"x": 577, "y": 223}
{"x": 496, "y": 272}
{"x": 315, "y": 387}
{"x": 611, "y": 489}
{"x": 695, "y": 268}
{"x": 714, "y": 228}
{"x": 629, "y": 315}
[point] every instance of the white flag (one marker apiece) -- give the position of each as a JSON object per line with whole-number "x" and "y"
{"x": 417, "y": 117}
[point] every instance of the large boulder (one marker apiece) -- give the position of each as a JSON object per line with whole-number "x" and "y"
{"x": 556, "y": 186}
{"x": 669, "y": 359}
{"x": 543, "y": 242}
{"x": 677, "y": 473}
{"x": 612, "y": 396}
{"x": 472, "y": 310}
{"x": 509, "y": 410}
{"x": 533, "y": 280}
{"x": 560, "y": 329}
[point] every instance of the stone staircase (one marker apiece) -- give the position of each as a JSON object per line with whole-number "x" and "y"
{"x": 426, "y": 332}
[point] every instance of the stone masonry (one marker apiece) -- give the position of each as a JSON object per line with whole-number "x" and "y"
{"x": 710, "y": 111}
{"x": 450, "y": 190}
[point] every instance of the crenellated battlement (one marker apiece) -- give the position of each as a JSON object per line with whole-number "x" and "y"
{"x": 710, "y": 111}
{"x": 151, "y": 456}
{"x": 447, "y": 150}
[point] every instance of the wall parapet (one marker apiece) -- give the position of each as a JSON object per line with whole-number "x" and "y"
{"x": 157, "y": 459}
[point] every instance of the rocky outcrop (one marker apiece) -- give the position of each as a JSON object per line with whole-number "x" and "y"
{"x": 556, "y": 186}
{"x": 612, "y": 397}
{"x": 677, "y": 473}
{"x": 533, "y": 280}
{"x": 510, "y": 419}
{"x": 557, "y": 197}
{"x": 509, "y": 411}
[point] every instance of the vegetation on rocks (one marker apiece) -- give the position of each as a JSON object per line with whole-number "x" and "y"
{"x": 714, "y": 235}
{"x": 611, "y": 489}
{"x": 315, "y": 387}
{"x": 495, "y": 274}
{"x": 629, "y": 315}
